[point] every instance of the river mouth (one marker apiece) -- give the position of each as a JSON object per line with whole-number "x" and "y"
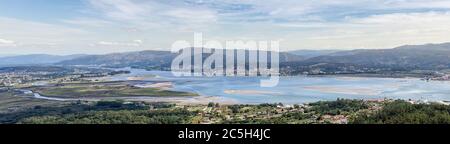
{"x": 290, "y": 90}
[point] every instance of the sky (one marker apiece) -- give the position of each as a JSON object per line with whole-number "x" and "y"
{"x": 65, "y": 27}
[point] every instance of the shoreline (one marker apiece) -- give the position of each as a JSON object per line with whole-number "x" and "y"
{"x": 360, "y": 75}
{"x": 204, "y": 100}
{"x": 250, "y": 92}
{"x": 188, "y": 100}
{"x": 341, "y": 90}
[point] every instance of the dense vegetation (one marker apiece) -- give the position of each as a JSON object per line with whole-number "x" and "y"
{"x": 288, "y": 118}
{"x": 119, "y": 112}
{"x": 176, "y": 116}
{"x": 103, "y": 112}
{"x": 340, "y": 106}
{"x": 401, "y": 112}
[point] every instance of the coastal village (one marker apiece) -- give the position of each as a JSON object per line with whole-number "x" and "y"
{"x": 214, "y": 113}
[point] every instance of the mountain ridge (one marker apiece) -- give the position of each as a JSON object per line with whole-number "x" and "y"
{"x": 34, "y": 59}
{"x": 148, "y": 57}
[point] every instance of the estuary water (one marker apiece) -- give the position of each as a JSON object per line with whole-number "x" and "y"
{"x": 299, "y": 89}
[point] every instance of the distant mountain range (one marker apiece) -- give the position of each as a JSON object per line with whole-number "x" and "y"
{"x": 144, "y": 58}
{"x": 410, "y": 59}
{"x": 34, "y": 59}
{"x": 404, "y": 58}
{"x": 313, "y": 53}
{"x": 431, "y": 56}
{"x": 149, "y": 58}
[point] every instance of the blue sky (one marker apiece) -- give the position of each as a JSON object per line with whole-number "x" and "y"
{"x": 106, "y": 26}
{"x": 43, "y": 10}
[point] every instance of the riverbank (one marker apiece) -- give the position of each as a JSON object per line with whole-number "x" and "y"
{"x": 193, "y": 100}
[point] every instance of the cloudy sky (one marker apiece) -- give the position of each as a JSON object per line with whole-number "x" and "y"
{"x": 105, "y": 26}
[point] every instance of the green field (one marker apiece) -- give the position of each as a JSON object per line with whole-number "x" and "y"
{"x": 105, "y": 90}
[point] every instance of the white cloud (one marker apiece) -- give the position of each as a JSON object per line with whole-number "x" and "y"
{"x": 381, "y": 31}
{"x": 155, "y": 15}
{"x": 411, "y": 4}
{"x": 89, "y": 22}
{"x": 121, "y": 9}
{"x": 37, "y": 32}
{"x": 26, "y": 37}
{"x": 109, "y": 25}
{"x": 191, "y": 15}
{"x": 5, "y": 42}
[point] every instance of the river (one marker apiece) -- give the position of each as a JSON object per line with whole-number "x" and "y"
{"x": 300, "y": 89}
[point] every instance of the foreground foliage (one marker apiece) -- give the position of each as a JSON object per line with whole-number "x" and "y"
{"x": 337, "y": 112}
{"x": 401, "y": 112}
{"x": 177, "y": 116}
{"x": 104, "y": 112}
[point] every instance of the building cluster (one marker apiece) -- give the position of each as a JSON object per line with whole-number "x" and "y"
{"x": 219, "y": 114}
{"x": 16, "y": 78}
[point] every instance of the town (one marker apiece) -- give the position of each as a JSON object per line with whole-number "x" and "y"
{"x": 38, "y": 75}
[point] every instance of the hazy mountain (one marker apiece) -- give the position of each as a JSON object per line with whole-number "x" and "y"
{"x": 404, "y": 58}
{"x": 6, "y": 55}
{"x": 34, "y": 59}
{"x": 124, "y": 59}
{"x": 313, "y": 53}
{"x": 144, "y": 58}
{"x": 431, "y": 56}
